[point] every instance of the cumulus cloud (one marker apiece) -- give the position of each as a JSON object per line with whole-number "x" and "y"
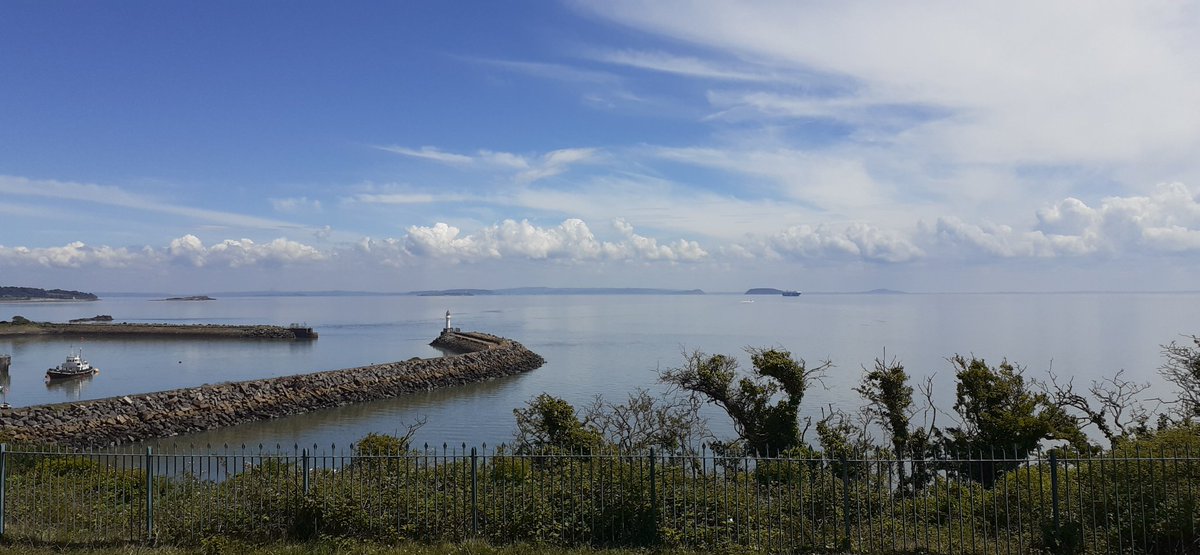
{"x": 188, "y": 250}
{"x": 572, "y": 240}
{"x": 245, "y": 252}
{"x": 647, "y": 248}
{"x": 73, "y": 255}
{"x": 1166, "y": 221}
{"x": 853, "y": 241}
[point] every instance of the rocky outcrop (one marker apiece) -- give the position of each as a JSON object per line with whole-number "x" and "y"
{"x": 115, "y": 420}
{"x": 456, "y": 341}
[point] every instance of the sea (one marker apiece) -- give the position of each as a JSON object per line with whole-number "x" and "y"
{"x": 605, "y": 346}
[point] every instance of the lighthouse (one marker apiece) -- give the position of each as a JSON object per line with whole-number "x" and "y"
{"x": 447, "y": 328}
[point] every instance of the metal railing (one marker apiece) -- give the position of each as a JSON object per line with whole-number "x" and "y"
{"x": 1125, "y": 503}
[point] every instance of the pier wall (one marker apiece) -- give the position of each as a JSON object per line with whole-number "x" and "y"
{"x": 116, "y": 420}
{"x": 157, "y": 331}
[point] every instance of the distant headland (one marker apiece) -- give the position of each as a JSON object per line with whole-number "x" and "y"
{"x": 15, "y": 294}
{"x": 188, "y": 298}
{"x": 763, "y": 291}
{"x": 462, "y": 292}
{"x": 555, "y": 291}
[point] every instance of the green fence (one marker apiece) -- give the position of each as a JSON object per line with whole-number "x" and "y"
{"x": 1144, "y": 503}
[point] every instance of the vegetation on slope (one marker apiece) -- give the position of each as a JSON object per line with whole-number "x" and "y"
{"x": 632, "y": 475}
{"x": 8, "y": 293}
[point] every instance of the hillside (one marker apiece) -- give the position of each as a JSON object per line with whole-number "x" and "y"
{"x": 34, "y": 294}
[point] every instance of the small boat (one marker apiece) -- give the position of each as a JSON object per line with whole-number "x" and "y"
{"x": 791, "y": 293}
{"x": 73, "y": 367}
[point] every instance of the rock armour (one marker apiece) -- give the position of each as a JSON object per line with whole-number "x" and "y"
{"x": 116, "y": 420}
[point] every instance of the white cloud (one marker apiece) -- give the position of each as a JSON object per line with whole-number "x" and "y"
{"x": 232, "y": 253}
{"x": 856, "y": 241}
{"x": 570, "y": 241}
{"x": 397, "y": 198}
{"x": 825, "y": 181}
{"x": 66, "y": 191}
{"x": 1026, "y": 82}
{"x": 524, "y": 169}
{"x": 557, "y": 72}
{"x": 73, "y": 255}
{"x": 430, "y": 153}
{"x": 555, "y": 162}
{"x": 245, "y": 252}
{"x": 295, "y": 205}
{"x": 1166, "y": 221}
{"x": 646, "y": 200}
{"x": 687, "y": 66}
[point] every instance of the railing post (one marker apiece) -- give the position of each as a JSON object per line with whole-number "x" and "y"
{"x": 474, "y": 493}
{"x": 304, "y": 468}
{"x": 1054, "y": 495}
{"x": 3, "y": 480}
{"x": 845, "y": 500}
{"x": 150, "y": 493}
{"x": 653, "y": 495}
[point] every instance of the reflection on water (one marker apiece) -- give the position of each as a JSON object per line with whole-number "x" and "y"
{"x": 594, "y": 345}
{"x": 336, "y": 428}
{"x": 71, "y": 388}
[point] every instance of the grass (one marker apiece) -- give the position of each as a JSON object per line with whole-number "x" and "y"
{"x": 338, "y": 547}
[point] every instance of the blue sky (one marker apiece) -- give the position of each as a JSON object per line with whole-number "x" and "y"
{"x": 926, "y": 146}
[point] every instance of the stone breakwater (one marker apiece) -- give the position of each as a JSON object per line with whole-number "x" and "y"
{"x": 116, "y": 420}
{"x": 180, "y": 331}
{"x": 464, "y": 341}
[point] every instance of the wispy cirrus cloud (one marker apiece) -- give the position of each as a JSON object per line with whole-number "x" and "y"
{"x": 547, "y": 70}
{"x": 65, "y": 191}
{"x": 294, "y": 205}
{"x": 690, "y": 66}
{"x": 1078, "y": 83}
{"x": 400, "y": 198}
{"x": 523, "y": 169}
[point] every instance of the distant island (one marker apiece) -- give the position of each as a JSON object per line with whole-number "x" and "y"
{"x": 596, "y": 291}
{"x": 453, "y": 293}
{"x": 771, "y": 291}
{"x": 8, "y": 293}
{"x": 188, "y": 298}
{"x": 558, "y": 291}
{"x": 96, "y": 318}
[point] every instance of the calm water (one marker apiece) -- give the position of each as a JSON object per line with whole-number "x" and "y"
{"x": 594, "y": 345}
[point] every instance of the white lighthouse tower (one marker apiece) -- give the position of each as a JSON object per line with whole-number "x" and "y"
{"x": 447, "y": 328}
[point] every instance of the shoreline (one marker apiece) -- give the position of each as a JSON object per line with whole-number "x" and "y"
{"x": 32, "y": 301}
